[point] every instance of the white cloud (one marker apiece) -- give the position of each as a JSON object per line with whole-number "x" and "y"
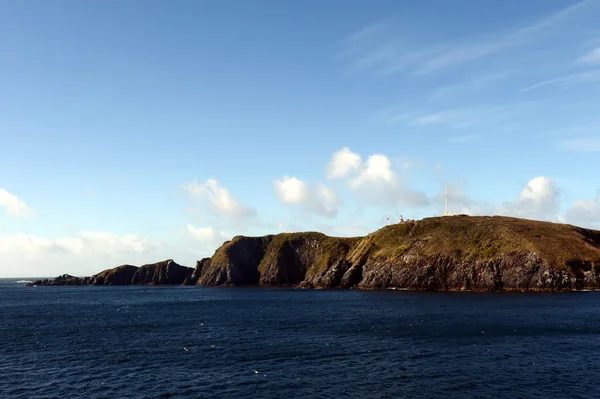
{"x": 355, "y": 41}
{"x": 407, "y": 163}
{"x": 355, "y": 227}
{"x": 459, "y": 202}
{"x": 100, "y": 241}
{"x": 539, "y": 190}
{"x": 220, "y": 215}
{"x": 89, "y": 242}
{"x": 478, "y": 48}
{"x": 436, "y": 119}
{"x": 584, "y": 211}
{"x": 86, "y": 253}
{"x": 568, "y": 80}
{"x": 203, "y": 234}
{"x": 207, "y": 237}
{"x": 583, "y": 144}
{"x": 461, "y": 117}
{"x": 221, "y": 202}
{"x": 377, "y": 168}
{"x": 592, "y": 57}
{"x": 463, "y": 139}
{"x": 342, "y": 163}
{"x": 469, "y": 86}
{"x": 387, "y": 54}
{"x": 539, "y": 199}
{"x": 13, "y": 205}
{"x": 327, "y": 201}
{"x": 375, "y": 182}
{"x": 291, "y": 190}
{"x": 27, "y": 243}
{"x": 320, "y": 200}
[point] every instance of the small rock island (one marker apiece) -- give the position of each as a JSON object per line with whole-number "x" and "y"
{"x": 448, "y": 253}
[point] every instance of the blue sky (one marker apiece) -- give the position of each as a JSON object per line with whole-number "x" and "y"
{"x": 144, "y": 130}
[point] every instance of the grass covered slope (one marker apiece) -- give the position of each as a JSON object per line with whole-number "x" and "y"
{"x": 442, "y": 253}
{"x": 483, "y": 238}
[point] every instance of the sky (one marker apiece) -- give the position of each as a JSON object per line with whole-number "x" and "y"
{"x": 133, "y": 132}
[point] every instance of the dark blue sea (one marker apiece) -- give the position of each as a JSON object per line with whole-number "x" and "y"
{"x": 191, "y": 342}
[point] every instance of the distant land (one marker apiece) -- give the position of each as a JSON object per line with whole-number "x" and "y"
{"x": 449, "y": 253}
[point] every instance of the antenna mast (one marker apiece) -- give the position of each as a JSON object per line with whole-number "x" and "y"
{"x": 446, "y": 200}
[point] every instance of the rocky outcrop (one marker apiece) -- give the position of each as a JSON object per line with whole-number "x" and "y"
{"x": 162, "y": 273}
{"x": 511, "y": 271}
{"x": 444, "y": 253}
{"x": 234, "y": 263}
{"x": 65, "y": 279}
{"x": 121, "y": 275}
{"x": 197, "y": 273}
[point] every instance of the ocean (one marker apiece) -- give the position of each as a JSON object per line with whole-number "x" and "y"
{"x": 193, "y": 342}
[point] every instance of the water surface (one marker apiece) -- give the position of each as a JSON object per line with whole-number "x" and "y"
{"x": 191, "y": 342}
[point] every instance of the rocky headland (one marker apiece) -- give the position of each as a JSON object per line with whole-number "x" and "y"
{"x": 480, "y": 253}
{"x": 161, "y": 273}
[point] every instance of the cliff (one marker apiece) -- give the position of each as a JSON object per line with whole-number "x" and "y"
{"x": 442, "y": 253}
{"x": 121, "y": 275}
{"x": 286, "y": 259}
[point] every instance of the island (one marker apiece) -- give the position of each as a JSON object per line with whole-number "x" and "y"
{"x": 448, "y": 253}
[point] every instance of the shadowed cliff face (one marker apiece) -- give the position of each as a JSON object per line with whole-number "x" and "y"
{"x": 167, "y": 272}
{"x": 235, "y": 263}
{"x": 201, "y": 265}
{"x": 121, "y": 275}
{"x": 282, "y": 259}
{"x": 443, "y": 253}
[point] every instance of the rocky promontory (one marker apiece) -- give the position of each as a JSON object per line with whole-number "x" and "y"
{"x": 161, "y": 273}
{"x": 442, "y": 253}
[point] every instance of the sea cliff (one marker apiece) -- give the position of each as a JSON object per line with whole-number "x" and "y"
{"x": 442, "y": 253}
{"x": 161, "y": 273}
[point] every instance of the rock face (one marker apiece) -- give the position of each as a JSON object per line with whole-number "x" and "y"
{"x": 282, "y": 259}
{"x": 167, "y": 272}
{"x": 65, "y": 279}
{"x": 235, "y": 263}
{"x": 121, "y": 275}
{"x": 443, "y": 253}
{"x": 197, "y": 273}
